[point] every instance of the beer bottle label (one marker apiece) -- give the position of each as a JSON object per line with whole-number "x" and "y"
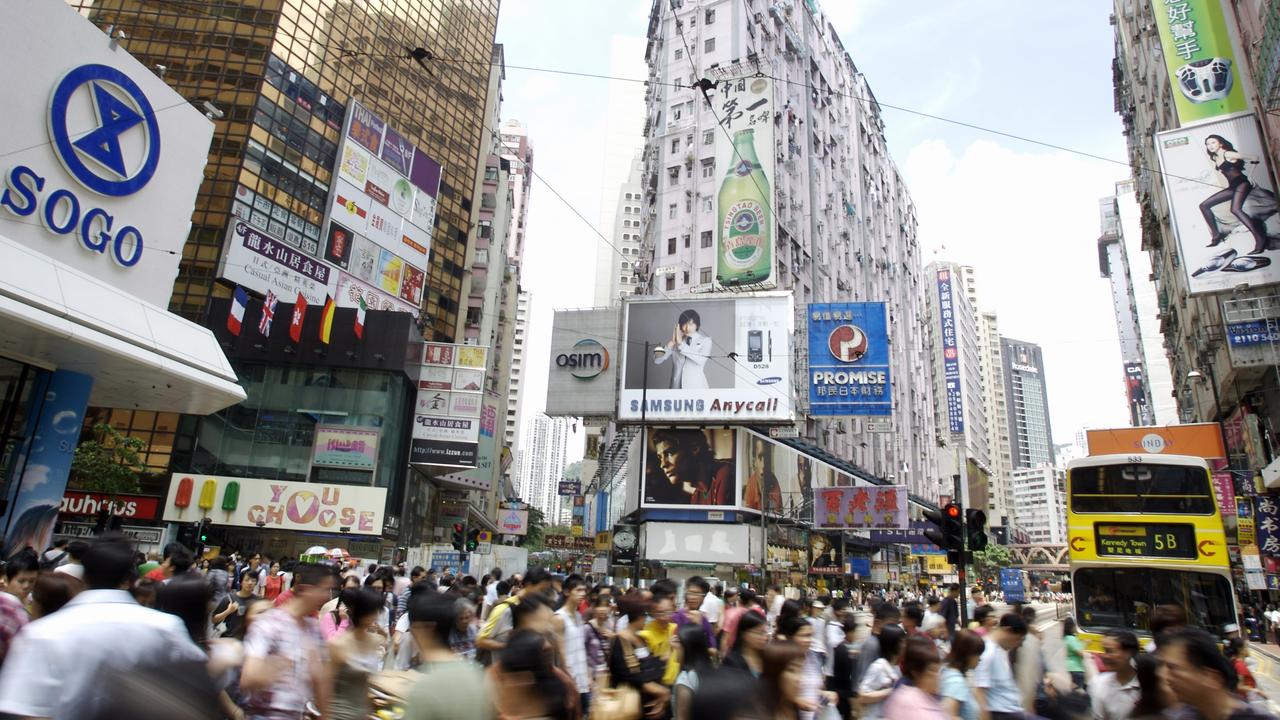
{"x": 743, "y": 235}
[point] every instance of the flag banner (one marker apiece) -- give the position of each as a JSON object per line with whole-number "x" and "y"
{"x": 326, "y": 319}
{"x": 299, "y": 312}
{"x": 360, "y": 310}
{"x": 268, "y": 314}
{"x": 239, "y": 301}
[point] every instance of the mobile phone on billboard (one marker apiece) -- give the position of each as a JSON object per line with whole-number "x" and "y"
{"x": 755, "y": 346}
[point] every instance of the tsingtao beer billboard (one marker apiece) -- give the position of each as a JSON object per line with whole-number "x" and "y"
{"x": 745, "y": 225}
{"x": 707, "y": 360}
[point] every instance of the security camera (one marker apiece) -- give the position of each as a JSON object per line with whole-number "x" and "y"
{"x": 211, "y": 111}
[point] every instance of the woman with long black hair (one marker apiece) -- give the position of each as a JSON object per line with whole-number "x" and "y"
{"x": 1231, "y": 164}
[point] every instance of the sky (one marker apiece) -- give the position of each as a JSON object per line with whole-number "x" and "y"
{"x": 1024, "y": 214}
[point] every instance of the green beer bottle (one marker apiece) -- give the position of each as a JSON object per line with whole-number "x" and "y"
{"x": 745, "y": 252}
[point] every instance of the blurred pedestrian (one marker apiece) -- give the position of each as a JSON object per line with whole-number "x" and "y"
{"x": 1074, "y": 651}
{"x": 958, "y": 699}
{"x": 354, "y": 654}
{"x": 1114, "y": 692}
{"x": 449, "y": 687}
{"x": 916, "y": 698}
{"x": 57, "y": 665}
{"x": 284, "y": 666}
{"x": 883, "y": 674}
{"x": 1202, "y": 678}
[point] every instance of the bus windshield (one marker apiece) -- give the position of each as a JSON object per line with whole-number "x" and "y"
{"x": 1137, "y": 488}
{"x": 1108, "y": 597}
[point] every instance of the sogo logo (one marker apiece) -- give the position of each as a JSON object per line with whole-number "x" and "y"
{"x": 115, "y": 157}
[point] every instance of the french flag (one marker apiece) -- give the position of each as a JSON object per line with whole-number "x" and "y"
{"x": 239, "y": 301}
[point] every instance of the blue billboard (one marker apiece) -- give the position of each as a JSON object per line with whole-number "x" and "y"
{"x": 849, "y": 360}
{"x": 950, "y": 352}
{"x": 1253, "y": 332}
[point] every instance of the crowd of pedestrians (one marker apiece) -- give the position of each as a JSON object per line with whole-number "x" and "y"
{"x": 94, "y": 631}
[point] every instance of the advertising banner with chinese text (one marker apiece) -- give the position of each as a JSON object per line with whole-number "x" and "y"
{"x": 1268, "y": 524}
{"x": 849, "y": 360}
{"x": 745, "y": 225}
{"x": 950, "y": 352}
{"x": 447, "y": 422}
{"x": 1222, "y": 203}
{"x": 1207, "y": 81}
{"x": 861, "y": 508}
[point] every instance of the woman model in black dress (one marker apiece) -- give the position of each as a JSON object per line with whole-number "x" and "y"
{"x": 1230, "y": 163}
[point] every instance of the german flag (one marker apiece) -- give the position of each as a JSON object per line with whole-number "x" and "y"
{"x": 326, "y": 319}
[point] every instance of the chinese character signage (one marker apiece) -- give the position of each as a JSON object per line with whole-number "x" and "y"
{"x": 1202, "y": 64}
{"x": 950, "y": 353}
{"x": 744, "y": 164}
{"x": 1268, "y": 525}
{"x": 450, "y": 405}
{"x": 381, "y": 214}
{"x": 1221, "y": 203}
{"x": 861, "y": 508}
{"x": 849, "y": 360}
{"x": 1225, "y": 491}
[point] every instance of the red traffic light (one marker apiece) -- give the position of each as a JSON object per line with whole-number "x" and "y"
{"x": 952, "y": 510}
{"x": 457, "y": 527}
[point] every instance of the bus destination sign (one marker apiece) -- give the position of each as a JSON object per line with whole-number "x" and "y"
{"x": 1135, "y": 540}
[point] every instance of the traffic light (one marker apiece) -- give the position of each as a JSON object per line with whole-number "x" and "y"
{"x": 976, "y": 527}
{"x": 473, "y": 540}
{"x": 202, "y": 531}
{"x": 459, "y": 537}
{"x": 948, "y": 535}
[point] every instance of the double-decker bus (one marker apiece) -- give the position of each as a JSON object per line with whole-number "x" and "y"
{"x": 1143, "y": 531}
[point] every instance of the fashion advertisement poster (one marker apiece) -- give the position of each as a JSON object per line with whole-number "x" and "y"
{"x": 697, "y": 360}
{"x": 1223, "y": 204}
{"x": 686, "y": 467}
{"x": 781, "y": 477}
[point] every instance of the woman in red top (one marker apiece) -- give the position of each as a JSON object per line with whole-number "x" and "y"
{"x": 1237, "y": 651}
{"x": 274, "y": 584}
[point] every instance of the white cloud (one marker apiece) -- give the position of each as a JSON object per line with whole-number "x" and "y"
{"x": 1028, "y": 222}
{"x": 34, "y": 476}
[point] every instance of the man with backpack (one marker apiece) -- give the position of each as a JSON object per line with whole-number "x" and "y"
{"x": 499, "y": 625}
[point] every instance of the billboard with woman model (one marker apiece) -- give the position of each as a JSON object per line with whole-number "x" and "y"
{"x": 1222, "y": 202}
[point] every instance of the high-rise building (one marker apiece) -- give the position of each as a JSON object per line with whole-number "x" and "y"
{"x": 1040, "y": 507}
{"x": 1027, "y": 403}
{"x": 960, "y": 415}
{"x": 515, "y": 394}
{"x": 517, "y": 150}
{"x": 1144, "y": 372}
{"x": 1199, "y": 299}
{"x": 543, "y": 459}
{"x": 285, "y": 80}
{"x": 995, "y": 405}
{"x": 846, "y": 225}
{"x": 619, "y": 267}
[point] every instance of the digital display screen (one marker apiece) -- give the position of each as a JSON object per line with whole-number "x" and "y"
{"x": 1164, "y": 540}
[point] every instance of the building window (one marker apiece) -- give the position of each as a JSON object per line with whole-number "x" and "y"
{"x": 686, "y": 241}
{"x": 675, "y": 145}
{"x": 708, "y": 167}
{"x": 671, "y": 246}
{"x": 688, "y": 204}
{"x": 679, "y": 54}
{"x": 708, "y": 137}
{"x": 685, "y": 277}
{"x": 623, "y": 279}
{"x": 676, "y": 111}
{"x": 624, "y": 265}
{"x": 706, "y": 238}
{"x": 709, "y": 45}
{"x": 706, "y": 205}
{"x": 711, "y": 17}
{"x": 671, "y": 211}
{"x": 673, "y": 174}
{"x": 671, "y": 282}
{"x": 704, "y": 276}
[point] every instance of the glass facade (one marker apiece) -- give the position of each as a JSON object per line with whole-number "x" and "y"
{"x": 270, "y": 435}
{"x": 267, "y": 64}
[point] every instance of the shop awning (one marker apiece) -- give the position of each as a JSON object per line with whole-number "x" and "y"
{"x": 140, "y": 356}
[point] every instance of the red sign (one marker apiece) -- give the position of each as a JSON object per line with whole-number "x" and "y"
{"x": 132, "y": 507}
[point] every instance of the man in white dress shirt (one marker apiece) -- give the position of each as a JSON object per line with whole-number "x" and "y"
{"x": 691, "y": 349}
{"x": 56, "y": 664}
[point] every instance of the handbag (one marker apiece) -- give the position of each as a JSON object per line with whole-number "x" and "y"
{"x": 620, "y": 703}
